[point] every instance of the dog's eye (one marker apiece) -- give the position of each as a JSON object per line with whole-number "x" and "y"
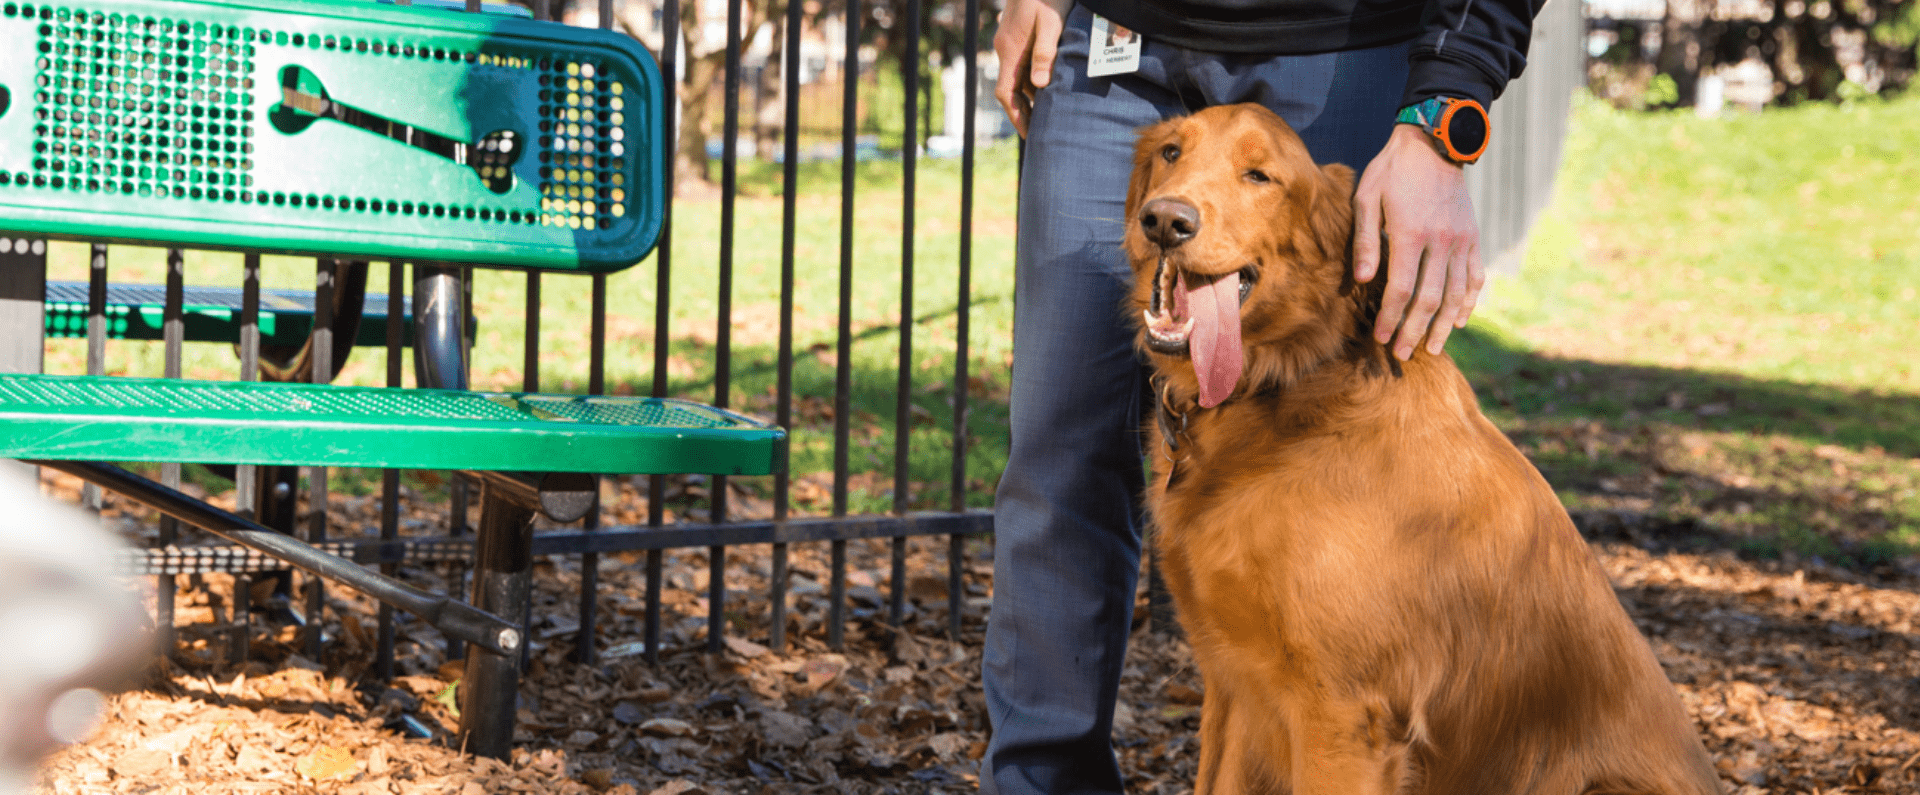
{"x": 1170, "y": 152}
{"x": 1258, "y": 177}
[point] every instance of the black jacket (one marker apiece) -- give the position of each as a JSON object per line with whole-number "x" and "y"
{"x": 1462, "y": 48}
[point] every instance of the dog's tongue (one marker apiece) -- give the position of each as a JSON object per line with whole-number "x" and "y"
{"x": 1215, "y": 342}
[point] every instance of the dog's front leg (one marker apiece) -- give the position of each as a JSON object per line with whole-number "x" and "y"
{"x": 1242, "y": 751}
{"x": 1347, "y": 748}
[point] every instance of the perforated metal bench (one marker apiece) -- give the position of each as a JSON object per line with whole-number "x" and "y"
{"x": 359, "y": 131}
{"x": 84, "y": 418}
{"x": 345, "y": 128}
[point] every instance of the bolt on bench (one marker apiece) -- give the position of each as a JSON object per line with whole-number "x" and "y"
{"x": 357, "y": 131}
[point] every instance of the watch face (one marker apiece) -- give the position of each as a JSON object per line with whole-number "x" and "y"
{"x": 1467, "y": 129}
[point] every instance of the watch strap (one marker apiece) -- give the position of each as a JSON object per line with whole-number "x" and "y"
{"x": 1425, "y": 113}
{"x": 1436, "y": 114}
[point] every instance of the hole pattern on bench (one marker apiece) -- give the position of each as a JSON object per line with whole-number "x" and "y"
{"x": 139, "y": 105}
{"x": 624, "y": 411}
{"x": 156, "y": 107}
{"x": 356, "y": 403}
{"x": 583, "y": 146}
{"x": 149, "y": 394}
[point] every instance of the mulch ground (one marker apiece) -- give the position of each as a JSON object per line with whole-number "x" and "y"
{"x": 1801, "y": 677}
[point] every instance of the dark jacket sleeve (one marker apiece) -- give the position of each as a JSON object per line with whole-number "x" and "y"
{"x": 1470, "y": 48}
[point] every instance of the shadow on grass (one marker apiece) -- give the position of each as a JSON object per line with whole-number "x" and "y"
{"x": 1691, "y": 459}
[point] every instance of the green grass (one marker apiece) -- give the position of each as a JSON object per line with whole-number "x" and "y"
{"x": 1715, "y": 326}
{"x": 1783, "y": 245}
{"x": 1711, "y": 343}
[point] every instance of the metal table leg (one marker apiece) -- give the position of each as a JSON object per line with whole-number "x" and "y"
{"x": 502, "y": 585}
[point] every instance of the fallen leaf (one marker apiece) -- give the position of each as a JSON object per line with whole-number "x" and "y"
{"x": 785, "y": 729}
{"x": 325, "y": 762}
{"x": 629, "y": 713}
{"x": 667, "y": 727}
{"x": 745, "y": 648}
{"x": 141, "y": 763}
{"x": 449, "y": 697}
{"x": 599, "y": 778}
{"x": 948, "y": 745}
{"x": 1180, "y": 693}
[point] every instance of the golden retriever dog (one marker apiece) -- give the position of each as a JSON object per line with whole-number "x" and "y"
{"x": 1382, "y": 594}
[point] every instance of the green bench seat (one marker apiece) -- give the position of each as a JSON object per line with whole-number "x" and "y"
{"x": 82, "y": 418}
{"x": 212, "y": 314}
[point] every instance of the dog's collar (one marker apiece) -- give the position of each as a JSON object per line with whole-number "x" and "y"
{"x": 1171, "y": 420}
{"x": 1171, "y": 417}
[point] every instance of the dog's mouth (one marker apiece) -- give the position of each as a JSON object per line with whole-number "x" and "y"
{"x": 1168, "y": 317}
{"x": 1199, "y": 316}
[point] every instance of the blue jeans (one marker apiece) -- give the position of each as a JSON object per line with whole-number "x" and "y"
{"x": 1067, "y": 518}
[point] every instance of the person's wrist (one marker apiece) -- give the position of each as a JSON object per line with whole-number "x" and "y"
{"x": 1411, "y": 136}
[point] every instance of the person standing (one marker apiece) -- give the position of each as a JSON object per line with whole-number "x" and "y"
{"x": 1400, "y": 86}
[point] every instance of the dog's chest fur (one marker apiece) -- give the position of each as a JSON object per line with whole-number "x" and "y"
{"x": 1275, "y": 501}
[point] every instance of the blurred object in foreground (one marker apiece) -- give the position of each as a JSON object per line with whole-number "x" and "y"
{"x": 68, "y": 630}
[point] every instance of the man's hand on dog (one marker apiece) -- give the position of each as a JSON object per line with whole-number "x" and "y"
{"x": 1434, "y": 275}
{"x": 1028, "y": 39}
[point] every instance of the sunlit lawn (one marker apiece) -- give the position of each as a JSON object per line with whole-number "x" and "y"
{"x": 1716, "y": 327}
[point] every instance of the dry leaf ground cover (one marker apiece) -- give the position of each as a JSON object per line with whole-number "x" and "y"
{"x": 1801, "y": 677}
{"x": 1709, "y": 353}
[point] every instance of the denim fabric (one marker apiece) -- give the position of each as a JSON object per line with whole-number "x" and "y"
{"x": 1067, "y": 521}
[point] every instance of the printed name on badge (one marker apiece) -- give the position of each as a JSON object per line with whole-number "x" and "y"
{"x": 1112, "y": 49}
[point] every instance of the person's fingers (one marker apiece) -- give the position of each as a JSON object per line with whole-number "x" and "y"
{"x": 1428, "y": 291}
{"x": 1014, "y": 49}
{"x": 1476, "y": 279}
{"x": 1022, "y": 107}
{"x": 1366, "y": 231}
{"x": 1453, "y": 308}
{"x": 1403, "y": 269}
{"x": 1012, "y": 99}
{"x": 1046, "y": 43}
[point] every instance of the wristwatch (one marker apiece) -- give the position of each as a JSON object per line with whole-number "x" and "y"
{"x": 1458, "y": 127}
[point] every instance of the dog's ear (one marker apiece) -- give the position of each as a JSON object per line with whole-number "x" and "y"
{"x": 1333, "y": 211}
{"x": 1145, "y": 148}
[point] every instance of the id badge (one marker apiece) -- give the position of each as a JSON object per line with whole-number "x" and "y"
{"x": 1112, "y": 49}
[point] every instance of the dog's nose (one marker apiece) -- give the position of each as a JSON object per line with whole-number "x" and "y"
{"x": 1169, "y": 222}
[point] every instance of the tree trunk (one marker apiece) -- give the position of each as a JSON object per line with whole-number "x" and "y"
{"x": 697, "y": 89}
{"x": 769, "y": 115}
{"x": 1683, "y": 53}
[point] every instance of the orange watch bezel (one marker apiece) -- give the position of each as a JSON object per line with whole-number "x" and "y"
{"x": 1453, "y": 105}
